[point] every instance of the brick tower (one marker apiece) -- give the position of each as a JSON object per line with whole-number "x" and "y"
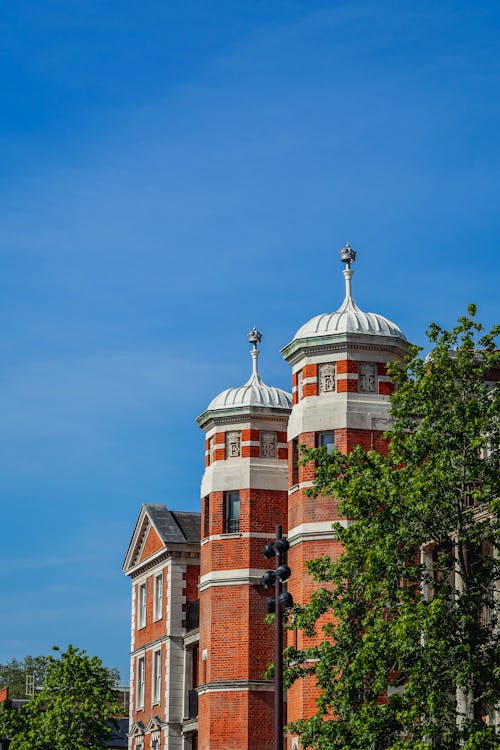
{"x": 340, "y": 392}
{"x": 244, "y": 496}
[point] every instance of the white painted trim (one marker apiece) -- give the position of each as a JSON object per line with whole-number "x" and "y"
{"x": 236, "y": 687}
{"x": 238, "y": 577}
{"x": 306, "y": 532}
{"x": 244, "y": 473}
{"x": 240, "y": 535}
{"x": 301, "y": 486}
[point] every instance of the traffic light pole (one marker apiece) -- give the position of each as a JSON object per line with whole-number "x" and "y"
{"x": 278, "y": 655}
{"x": 277, "y": 604}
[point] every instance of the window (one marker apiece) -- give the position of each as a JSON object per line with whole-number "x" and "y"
{"x": 158, "y": 602}
{"x": 232, "y": 512}
{"x": 326, "y": 440}
{"x": 206, "y": 516}
{"x": 140, "y": 683}
{"x": 294, "y": 458}
{"x": 233, "y": 444}
{"x": 327, "y": 378}
{"x": 141, "y": 613}
{"x": 268, "y": 444}
{"x": 367, "y": 377}
{"x": 156, "y": 691}
{"x": 211, "y": 448}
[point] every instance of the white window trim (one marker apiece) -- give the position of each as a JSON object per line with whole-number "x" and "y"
{"x": 156, "y": 678}
{"x": 141, "y": 683}
{"x": 158, "y": 600}
{"x": 141, "y": 609}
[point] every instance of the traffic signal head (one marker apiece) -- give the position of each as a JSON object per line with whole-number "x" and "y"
{"x": 282, "y": 573}
{"x": 268, "y": 550}
{"x": 281, "y": 546}
{"x": 268, "y": 579}
{"x": 286, "y": 600}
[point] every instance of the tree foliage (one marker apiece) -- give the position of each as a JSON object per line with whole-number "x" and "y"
{"x": 72, "y": 710}
{"x": 13, "y": 674}
{"x": 408, "y": 653}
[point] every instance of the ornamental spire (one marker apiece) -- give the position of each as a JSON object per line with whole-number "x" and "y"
{"x": 348, "y": 256}
{"x": 254, "y": 337}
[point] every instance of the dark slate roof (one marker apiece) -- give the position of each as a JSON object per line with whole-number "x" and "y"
{"x": 175, "y": 527}
{"x": 190, "y": 523}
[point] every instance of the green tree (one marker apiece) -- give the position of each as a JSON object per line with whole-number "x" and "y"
{"x": 408, "y": 653}
{"x": 72, "y": 710}
{"x": 13, "y": 674}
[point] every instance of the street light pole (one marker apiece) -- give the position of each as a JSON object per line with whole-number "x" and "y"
{"x": 278, "y": 654}
{"x": 277, "y": 604}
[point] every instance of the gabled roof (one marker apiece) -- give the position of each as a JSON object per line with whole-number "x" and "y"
{"x": 156, "y": 529}
{"x": 137, "y": 729}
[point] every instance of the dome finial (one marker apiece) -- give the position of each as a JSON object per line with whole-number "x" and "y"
{"x": 348, "y": 256}
{"x": 254, "y": 337}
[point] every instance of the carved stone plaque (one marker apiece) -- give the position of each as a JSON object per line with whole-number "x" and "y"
{"x": 300, "y": 384}
{"x": 233, "y": 444}
{"x": 367, "y": 377}
{"x": 268, "y": 444}
{"x": 327, "y": 377}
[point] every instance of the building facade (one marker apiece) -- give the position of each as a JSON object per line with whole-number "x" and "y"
{"x": 198, "y": 675}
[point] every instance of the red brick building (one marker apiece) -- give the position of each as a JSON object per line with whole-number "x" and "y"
{"x": 252, "y": 482}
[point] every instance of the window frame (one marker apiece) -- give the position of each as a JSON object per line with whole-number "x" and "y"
{"x": 142, "y": 606}
{"x": 232, "y": 521}
{"x": 294, "y": 458}
{"x": 158, "y": 597}
{"x": 206, "y": 516}
{"x": 156, "y": 678}
{"x": 321, "y": 436}
{"x": 141, "y": 683}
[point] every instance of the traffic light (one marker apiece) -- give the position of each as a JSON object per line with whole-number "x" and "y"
{"x": 286, "y": 602}
{"x": 277, "y": 549}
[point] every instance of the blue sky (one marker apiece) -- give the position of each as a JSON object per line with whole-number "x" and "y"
{"x": 173, "y": 173}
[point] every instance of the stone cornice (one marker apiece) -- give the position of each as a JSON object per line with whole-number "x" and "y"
{"x": 297, "y": 348}
{"x": 191, "y": 555}
{"x": 224, "y": 686}
{"x": 238, "y": 414}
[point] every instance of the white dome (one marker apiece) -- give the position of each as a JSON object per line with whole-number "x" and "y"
{"x": 349, "y": 319}
{"x": 255, "y": 393}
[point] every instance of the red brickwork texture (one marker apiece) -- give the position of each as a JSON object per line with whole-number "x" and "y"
{"x": 239, "y": 720}
{"x": 152, "y": 545}
{"x": 191, "y": 578}
{"x": 238, "y": 642}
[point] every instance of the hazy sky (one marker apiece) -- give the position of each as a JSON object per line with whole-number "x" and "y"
{"x": 173, "y": 173}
